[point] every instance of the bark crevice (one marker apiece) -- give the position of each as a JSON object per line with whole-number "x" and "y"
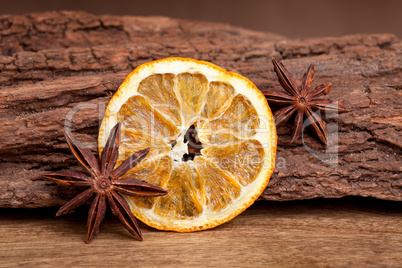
{"x": 53, "y": 62}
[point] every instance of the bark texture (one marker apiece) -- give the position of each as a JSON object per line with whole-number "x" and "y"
{"x": 61, "y": 68}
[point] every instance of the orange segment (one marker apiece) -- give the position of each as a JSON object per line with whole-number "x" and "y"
{"x": 212, "y": 139}
{"x": 138, "y": 140}
{"x": 182, "y": 200}
{"x": 159, "y": 88}
{"x": 240, "y": 118}
{"x": 219, "y": 188}
{"x": 217, "y": 137}
{"x": 155, "y": 171}
{"x": 219, "y": 97}
{"x": 192, "y": 89}
{"x": 243, "y": 160}
{"x": 138, "y": 114}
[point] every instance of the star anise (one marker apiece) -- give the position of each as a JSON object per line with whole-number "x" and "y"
{"x": 103, "y": 182}
{"x": 301, "y": 100}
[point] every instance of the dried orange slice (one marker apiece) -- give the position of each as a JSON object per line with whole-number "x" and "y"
{"x": 212, "y": 138}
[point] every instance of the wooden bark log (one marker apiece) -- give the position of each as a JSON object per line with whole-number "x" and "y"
{"x": 59, "y": 66}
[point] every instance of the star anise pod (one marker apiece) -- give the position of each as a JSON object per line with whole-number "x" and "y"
{"x": 103, "y": 182}
{"x": 301, "y": 100}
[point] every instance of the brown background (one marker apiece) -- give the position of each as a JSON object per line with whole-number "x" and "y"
{"x": 292, "y": 18}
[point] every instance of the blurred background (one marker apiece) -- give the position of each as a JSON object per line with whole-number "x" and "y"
{"x": 292, "y": 18}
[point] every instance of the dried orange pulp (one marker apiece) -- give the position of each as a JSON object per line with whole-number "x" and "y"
{"x": 212, "y": 138}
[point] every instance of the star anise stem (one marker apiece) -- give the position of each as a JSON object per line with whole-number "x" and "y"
{"x": 301, "y": 101}
{"x": 104, "y": 183}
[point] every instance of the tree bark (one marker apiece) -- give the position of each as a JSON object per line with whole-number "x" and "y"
{"x": 59, "y": 66}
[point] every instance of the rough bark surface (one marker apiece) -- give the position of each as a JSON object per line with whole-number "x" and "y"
{"x": 65, "y": 65}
